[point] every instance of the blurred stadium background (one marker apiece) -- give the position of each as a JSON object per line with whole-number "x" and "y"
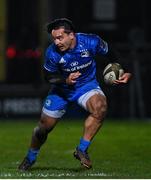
{"x": 122, "y": 150}
{"x": 23, "y": 39}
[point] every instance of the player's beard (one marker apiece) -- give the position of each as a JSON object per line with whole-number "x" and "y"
{"x": 64, "y": 47}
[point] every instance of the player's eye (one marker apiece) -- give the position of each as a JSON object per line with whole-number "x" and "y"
{"x": 60, "y": 38}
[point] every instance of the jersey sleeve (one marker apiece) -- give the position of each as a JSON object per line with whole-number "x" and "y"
{"x": 49, "y": 62}
{"x": 102, "y": 46}
{"x": 99, "y": 46}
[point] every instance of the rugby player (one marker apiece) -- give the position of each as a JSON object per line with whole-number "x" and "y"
{"x": 70, "y": 66}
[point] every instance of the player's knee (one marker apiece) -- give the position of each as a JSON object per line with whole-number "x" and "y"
{"x": 40, "y": 133}
{"x": 47, "y": 122}
{"x": 100, "y": 110}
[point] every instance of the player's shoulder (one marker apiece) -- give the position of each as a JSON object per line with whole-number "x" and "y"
{"x": 89, "y": 39}
{"x": 51, "y": 52}
{"x": 88, "y": 35}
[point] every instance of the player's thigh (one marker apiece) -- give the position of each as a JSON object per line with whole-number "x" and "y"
{"x": 53, "y": 109}
{"x": 97, "y": 104}
{"x": 92, "y": 99}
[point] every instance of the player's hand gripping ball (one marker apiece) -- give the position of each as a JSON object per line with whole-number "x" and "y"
{"x": 112, "y": 72}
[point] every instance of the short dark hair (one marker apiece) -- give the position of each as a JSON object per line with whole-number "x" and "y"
{"x": 62, "y": 22}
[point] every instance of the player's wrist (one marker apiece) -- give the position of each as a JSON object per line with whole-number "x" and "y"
{"x": 68, "y": 81}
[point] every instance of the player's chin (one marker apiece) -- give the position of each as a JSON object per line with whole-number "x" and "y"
{"x": 62, "y": 49}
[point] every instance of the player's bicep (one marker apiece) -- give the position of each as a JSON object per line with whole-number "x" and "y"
{"x": 50, "y": 65}
{"x": 51, "y": 71}
{"x": 102, "y": 46}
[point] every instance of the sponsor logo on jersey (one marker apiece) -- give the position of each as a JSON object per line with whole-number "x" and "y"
{"x": 76, "y": 68}
{"x": 75, "y": 63}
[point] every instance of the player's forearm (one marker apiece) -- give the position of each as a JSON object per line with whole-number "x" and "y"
{"x": 53, "y": 78}
{"x": 71, "y": 79}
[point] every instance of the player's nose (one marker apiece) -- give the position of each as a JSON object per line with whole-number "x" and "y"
{"x": 57, "y": 42}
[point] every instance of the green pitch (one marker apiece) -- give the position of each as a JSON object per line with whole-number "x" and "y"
{"x": 122, "y": 149}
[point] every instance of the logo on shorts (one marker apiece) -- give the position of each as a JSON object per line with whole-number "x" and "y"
{"x": 48, "y": 102}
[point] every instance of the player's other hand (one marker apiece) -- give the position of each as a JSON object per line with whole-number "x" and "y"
{"x": 124, "y": 78}
{"x": 72, "y": 78}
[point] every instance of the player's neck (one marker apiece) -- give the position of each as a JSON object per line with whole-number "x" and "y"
{"x": 73, "y": 44}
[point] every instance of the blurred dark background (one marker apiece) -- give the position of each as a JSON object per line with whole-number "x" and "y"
{"x": 23, "y": 40}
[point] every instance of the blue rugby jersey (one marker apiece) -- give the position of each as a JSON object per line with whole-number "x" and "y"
{"x": 80, "y": 58}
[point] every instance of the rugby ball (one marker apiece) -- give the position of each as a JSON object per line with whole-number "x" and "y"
{"x": 112, "y": 72}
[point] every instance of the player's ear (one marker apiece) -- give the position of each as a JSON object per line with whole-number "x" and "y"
{"x": 71, "y": 34}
